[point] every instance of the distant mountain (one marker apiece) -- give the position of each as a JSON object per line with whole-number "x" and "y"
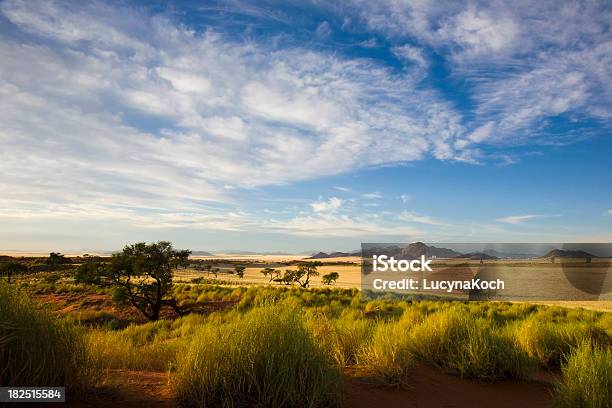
{"x": 508, "y": 255}
{"x": 417, "y": 249}
{"x": 201, "y": 253}
{"x": 568, "y": 253}
{"x": 241, "y": 252}
{"x": 477, "y": 256}
{"x": 323, "y": 255}
{"x": 412, "y": 251}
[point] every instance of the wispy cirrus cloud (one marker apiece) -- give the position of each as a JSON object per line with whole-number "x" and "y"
{"x": 411, "y": 216}
{"x": 137, "y": 107}
{"x": 519, "y": 219}
{"x": 526, "y": 64}
{"x": 375, "y": 195}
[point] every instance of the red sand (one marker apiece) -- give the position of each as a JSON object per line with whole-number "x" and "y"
{"x": 429, "y": 387}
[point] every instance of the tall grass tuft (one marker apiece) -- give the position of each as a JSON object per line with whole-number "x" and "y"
{"x": 547, "y": 342}
{"x": 38, "y": 350}
{"x": 587, "y": 378}
{"x": 388, "y": 357}
{"x": 265, "y": 358}
{"x": 473, "y": 347}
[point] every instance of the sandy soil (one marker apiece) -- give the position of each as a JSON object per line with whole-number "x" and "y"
{"x": 427, "y": 387}
{"x": 129, "y": 389}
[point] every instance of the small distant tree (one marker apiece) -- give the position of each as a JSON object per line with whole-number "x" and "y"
{"x": 288, "y": 277}
{"x": 208, "y": 267}
{"x": 271, "y": 273}
{"x": 239, "y": 271}
{"x": 141, "y": 275}
{"x": 55, "y": 259}
{"x": 12, "y": 268}
{"x": 90, "y": 272}
{"x": 182, "y": 258}
{"x": 330, "y": 278}
{"x": 305, "y": 271}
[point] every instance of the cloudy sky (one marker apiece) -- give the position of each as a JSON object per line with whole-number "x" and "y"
{"x": 306, "y": 125}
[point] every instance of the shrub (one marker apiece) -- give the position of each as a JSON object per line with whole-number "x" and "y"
{"x": 388, "y": 356}
{"x": 473, "y": 347}
{"x": 548, "y": 342}
{"x": 341, "y": 339}
{"x": 115, "y": 349}
{"x": 36, "y": 349}
{"x": 587, "y": 378}
{"x": 264, "y": 358}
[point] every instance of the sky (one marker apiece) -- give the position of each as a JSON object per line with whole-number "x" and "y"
{"x": 300, "y": 126}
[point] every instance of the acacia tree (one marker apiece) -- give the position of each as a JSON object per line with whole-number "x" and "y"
{"x": 55, "y": 259}
{"x": 142, "y": 275}
{"x": 12, "y": 268}
{"x": 240, "y": 271}
{"x": 305, "y": 271}
{"x": 330, "y": 278}
{"x": 271, "y": 273}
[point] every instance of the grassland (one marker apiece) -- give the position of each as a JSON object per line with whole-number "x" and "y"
{"x": 250, "y": 343}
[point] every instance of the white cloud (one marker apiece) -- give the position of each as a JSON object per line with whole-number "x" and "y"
{"x": 479, "y": 33}
{"x": 109, "y": 105}
{"x": 518, "y": 219}
{"x": 610, "y": 212}
{"x": 342, "y": 226}
{"x": 524, "y": 63}
{"x": 343, "y": 189}
{"x": 411, "y": 216}
{"x": 405, "y": 198}
{"x": 331, "y": 205}
{"x": 411, "y": 54}
{"x": 372, "y": 196}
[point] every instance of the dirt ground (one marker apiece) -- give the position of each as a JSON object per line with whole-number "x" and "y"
{"x": 427, "y": 387}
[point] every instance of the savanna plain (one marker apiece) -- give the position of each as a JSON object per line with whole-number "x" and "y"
{"x": 154, "y": 326}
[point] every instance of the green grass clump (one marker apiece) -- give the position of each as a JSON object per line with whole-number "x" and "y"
{"x": 473, "y": 347}
{"x": 547, "y": 342}
{"x": 388, "y": 356}
{"x": 587, "y": 378}
{"x": 38, "y": 350}
{"x": 342, "y": 338}
{"x": 264, "y": 358}
{"x": 114, "y": 349}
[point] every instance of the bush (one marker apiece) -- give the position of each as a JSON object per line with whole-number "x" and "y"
{"x": 548, "y": 342}
{"x": 264, "y": 358}
{"x": 587, "y": 378}
{"x": 341, "y": 339}
{"x": 36, "y": 349}
{"x": 473, "y": 347}
{"x": 388, "y": 356}
{"x": 117, "y": 350}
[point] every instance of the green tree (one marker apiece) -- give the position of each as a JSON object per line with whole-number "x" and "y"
{"x": 12, "y": 268}
{"x": 240, "y": 271}
{"x": 141, "y": 275}
{"x": 181, "y": 258}
{"x": 55, "y": 259}
{"x": 271, "y": 273}
{"x": 91, "y": 271}
{"x": 330, "y": 278}
{"x": 305, "y": 272}
{"x": 288, "y": 277}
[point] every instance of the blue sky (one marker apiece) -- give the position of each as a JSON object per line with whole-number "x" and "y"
{"x": 296, "y": 126}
